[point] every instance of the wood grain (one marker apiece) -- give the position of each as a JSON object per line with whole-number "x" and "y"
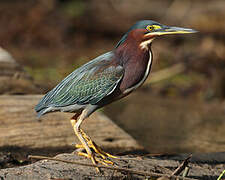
{"x": 21, "y": 128}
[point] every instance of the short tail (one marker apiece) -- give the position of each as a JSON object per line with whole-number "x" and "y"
{"x": 40, "y": 108}
{"x": 41, "y": 112}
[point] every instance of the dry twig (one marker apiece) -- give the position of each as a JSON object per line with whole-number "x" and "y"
{"x": 182, "y": 166}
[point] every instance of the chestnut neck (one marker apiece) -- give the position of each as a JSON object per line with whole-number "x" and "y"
{"x": 135, "y": 61}
{"x": 128, "y": 48}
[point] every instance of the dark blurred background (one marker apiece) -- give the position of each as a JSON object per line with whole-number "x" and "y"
{"x": 184, "y": 112}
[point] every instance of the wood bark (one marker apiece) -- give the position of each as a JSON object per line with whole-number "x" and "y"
{"x": 21, "y": 128}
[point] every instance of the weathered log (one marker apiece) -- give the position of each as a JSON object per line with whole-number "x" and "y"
{"x": 21, "y": 128}
{"x": 13, "y": 78}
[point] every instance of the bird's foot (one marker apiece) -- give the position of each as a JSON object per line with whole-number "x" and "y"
{"x": 93, "y": 159}
{"x": 95, "y": 147}
{"x": 93, "y": 152}
{"x": 97, "y": 150}
{"x": 100, "y": 155}
{"x": 96, "y": 159}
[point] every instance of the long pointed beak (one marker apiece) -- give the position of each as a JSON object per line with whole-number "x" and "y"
{"x": 176, "y": 30}
{"x": 172, "y": 30}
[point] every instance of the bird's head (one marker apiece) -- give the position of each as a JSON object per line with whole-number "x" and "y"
{"x": 146, "y": 30}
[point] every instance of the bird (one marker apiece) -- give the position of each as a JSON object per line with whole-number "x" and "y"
{"x": 105, "y": 79}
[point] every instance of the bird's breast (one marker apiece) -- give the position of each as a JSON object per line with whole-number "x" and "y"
{"x": 136, "y": 72}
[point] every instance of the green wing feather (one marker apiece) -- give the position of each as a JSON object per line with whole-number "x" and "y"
{"x": 86, "y": 85}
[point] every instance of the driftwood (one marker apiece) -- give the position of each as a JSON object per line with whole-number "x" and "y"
{"x": 13, "y": 78}
{"x": 21, "y": 128}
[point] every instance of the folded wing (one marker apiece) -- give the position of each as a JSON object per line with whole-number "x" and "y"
{"x": 86, "y": 85}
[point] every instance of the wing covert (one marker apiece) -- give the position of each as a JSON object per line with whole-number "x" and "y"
{"x": 86, "y": 85}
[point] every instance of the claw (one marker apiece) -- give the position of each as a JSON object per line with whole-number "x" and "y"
{"x": 95, "y": 147}
{"x": 99, "y": 160}
{"x": 93, "y": 159}
{"x": 97, "y": 150}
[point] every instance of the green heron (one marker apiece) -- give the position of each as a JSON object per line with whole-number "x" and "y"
{"x": 105, "y": 79}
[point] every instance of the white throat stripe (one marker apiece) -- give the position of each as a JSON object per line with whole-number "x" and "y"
{"x": 144, "y": 44}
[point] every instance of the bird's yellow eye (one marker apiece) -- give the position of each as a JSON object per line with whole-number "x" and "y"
{"x": 153, "y": 27}
{"x": 150, "y": 27}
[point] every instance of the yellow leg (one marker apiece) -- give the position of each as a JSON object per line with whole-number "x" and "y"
{"x": 77, "y": 130}
{"x": 87, "y": 143}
